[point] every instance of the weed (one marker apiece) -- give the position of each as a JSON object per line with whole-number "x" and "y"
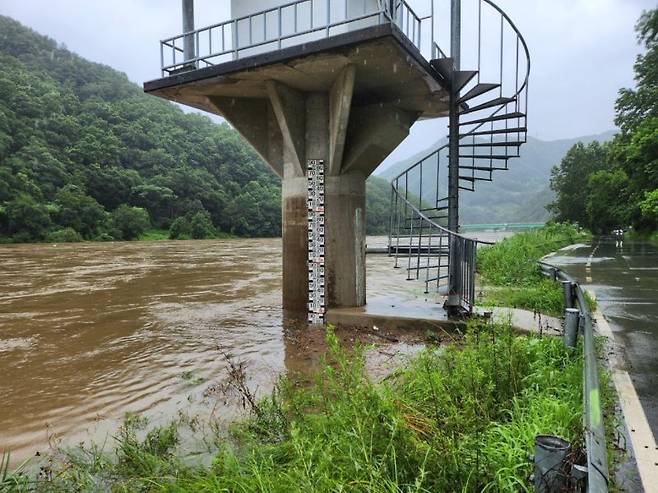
{"x": 510, "y": 273}
{"x": 458, "y": 418}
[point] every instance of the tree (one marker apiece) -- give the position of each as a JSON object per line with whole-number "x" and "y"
{"x": 80, "y": 212}
{"x": 649, "y": 208}
{"x": 633, "y": 106}
{"x": 606, "y": 209}
{"x": 129, "y": 222}
{"x": 569, "y": 181}
{"x": 180, "y": 229}
{"x": 201, "y": 226}
{"x": 27, "y": 220}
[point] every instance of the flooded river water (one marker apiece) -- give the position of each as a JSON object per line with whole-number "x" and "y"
{"x": 91, "y": 331}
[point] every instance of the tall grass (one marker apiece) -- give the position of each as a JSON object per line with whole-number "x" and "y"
{"x": 509, "y": 271}
{"x": 461, "y": 418}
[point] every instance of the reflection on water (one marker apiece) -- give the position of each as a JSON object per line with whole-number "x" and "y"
{"x": 624, "y": 277}
{"x": 91, "y": 331}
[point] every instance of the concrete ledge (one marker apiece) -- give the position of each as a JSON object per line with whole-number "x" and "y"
{"x": 393, "y": 317}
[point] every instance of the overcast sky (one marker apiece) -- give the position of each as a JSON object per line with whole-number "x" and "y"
{"x": 582, "y": 50}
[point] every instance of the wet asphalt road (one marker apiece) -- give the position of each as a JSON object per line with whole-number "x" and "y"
{"x": 624, "y": 277}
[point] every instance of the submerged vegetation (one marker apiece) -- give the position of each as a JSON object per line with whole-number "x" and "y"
{"x": 510, "y": 275}
{"x": 460, "y": 418}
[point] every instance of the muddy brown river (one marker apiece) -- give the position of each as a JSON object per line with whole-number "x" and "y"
{"x": 91, "y": 331}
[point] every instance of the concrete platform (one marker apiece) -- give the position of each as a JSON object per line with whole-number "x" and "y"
{"x": 394, "y": 316}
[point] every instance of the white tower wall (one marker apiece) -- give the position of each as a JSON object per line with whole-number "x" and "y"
{"x": 263, "y": 28}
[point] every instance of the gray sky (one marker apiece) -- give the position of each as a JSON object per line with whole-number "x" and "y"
{"x": 582, "y": 50}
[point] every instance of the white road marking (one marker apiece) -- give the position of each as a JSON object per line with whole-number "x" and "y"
{"x": 642, "y": 439}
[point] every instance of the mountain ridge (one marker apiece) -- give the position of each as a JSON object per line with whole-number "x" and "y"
{"x": 517, "y": 195}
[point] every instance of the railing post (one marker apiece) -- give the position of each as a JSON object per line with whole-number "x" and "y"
{"x": 571, "y": 323}
{"x": 236, "y": 40}
{"x": 455, "y": 31}
{"x": 453, "y": 304}
{"x": 188, "y": 27}
{"x": 567, "y": 289}
{"x": 432, "y": 27}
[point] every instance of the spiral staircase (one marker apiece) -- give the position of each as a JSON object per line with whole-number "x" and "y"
{"x": 488, "y": 126}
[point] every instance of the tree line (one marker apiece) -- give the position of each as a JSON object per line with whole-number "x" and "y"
{"x": 86, "y": 155}
{"x": 615, "y": 185}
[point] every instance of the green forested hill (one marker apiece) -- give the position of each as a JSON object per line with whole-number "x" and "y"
{"x": 85, "y": 154}
{"x": 83, "y": 149}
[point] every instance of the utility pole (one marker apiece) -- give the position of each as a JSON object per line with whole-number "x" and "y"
{"x": 188, "y": 26}
{"x": 454, "y": 281}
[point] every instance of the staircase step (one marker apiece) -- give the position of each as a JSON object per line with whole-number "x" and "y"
{"x": 484, "y": 156}
{"x": 483, "y": 168}
{"x": 494, "y": 144}
{"x": 474, "y": 178}
{"x": 477, "y": 90}
{"x": 488, "y": 104}
{"x": 462, "y": 77}
{"x": 444, "y": 66}
{"x": 513, "y": 130}
{"x": 495, "y": 118}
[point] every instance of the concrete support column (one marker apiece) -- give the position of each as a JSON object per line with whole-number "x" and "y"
{"x": 288, "y": 129}
{"x": 295, "y": 244}
{"x": 345, "y": 274}
{"x": 345, "y": 260}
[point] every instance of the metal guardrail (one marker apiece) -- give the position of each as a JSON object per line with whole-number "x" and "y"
{"x": 597, "y": 459}
{"x": 288, "y": 24}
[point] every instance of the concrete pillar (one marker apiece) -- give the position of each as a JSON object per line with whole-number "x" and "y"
{"x": 345, "y": 267}
{"x": 288, "y": 129}
{"x": 295, "y": 244}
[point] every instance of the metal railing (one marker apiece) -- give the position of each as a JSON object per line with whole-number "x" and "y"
{"x": 422, "y": 247}
{"x": 285, "y": 25}
{"x": 485, "y": 142}
{"x": 595, "y": 444}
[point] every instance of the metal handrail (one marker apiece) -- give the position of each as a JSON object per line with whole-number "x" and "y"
{"x": 425, "y": 245}
{"x": 595, "y": 444}
{"x": 400, "y": 184}
{"x": 404, "y": 18}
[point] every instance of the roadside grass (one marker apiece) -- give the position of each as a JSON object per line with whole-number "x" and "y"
{"x": 509, "y": 273}
{"x": 457, "y": 418}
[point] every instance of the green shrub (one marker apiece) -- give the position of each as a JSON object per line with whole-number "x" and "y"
{"x": 130, "y": 222}
{"x": 66, "y": 235}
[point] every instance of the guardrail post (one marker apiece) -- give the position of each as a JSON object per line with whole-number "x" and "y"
{"x": 567, "y": 288}
{"x": 571, "y": 323}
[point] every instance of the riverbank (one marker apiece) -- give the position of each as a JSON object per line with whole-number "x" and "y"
{"x": 459, "y": 416}
{"x": 192, "y": 315}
